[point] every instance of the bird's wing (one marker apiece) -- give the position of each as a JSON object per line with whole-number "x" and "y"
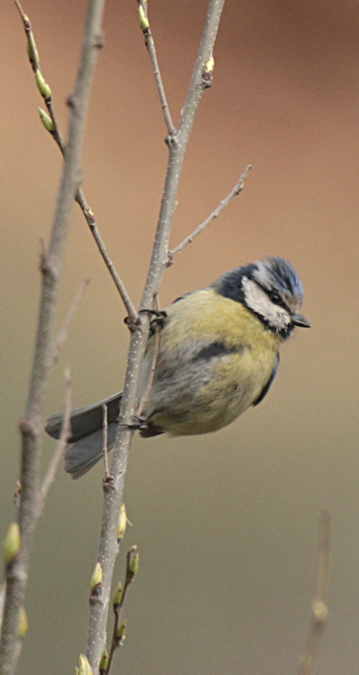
{"x": 267, "y": 386}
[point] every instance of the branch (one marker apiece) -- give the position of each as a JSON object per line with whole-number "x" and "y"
{"x": 66, "y": 426}
{"x": 61, "y": 445}
{"x": 31, "y": 425}
{"x": 320, "y": 604}
{"x": 150, "y": 44}
{"x": 236, "y": 190}
{"x": 71, "y": 313}
{"x": 92, "y": 223}
{"x": 50, "y": 123}
{"x": 119, "y": 629}
{"x": 113, "y": 491}
{"x": 105, "y": 440}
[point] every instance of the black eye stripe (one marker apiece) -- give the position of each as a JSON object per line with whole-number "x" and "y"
{"x": 275, "y": 297}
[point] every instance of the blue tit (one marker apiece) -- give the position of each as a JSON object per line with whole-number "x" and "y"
{"x": 218, "y": 355}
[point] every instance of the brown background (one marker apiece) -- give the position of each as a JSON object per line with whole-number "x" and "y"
{"x": 226, "y": 524}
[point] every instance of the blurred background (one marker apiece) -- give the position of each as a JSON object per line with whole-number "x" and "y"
{"x": 226, "y": 524}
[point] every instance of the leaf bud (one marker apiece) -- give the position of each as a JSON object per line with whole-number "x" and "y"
{"x": 32, "y": 53}
{"x": 46, "y": 120}
{"x": 209, "y": 67}
{"x": 118, "y": 596}
{"x": 121, "y": 632}
{"x": 23, "y": 625}
{"x": 43, "y": 87}
{"x": 133, "y": 561}
{"x": 11, "y": 545}
{"x": 320, "y": 611}
{"x": 122, "y": 522}
{"x": 144, "y": 22}
{"x": 96, "y": 578}
{"x": 84, "y": 666}
{"x": 103, "y": 665}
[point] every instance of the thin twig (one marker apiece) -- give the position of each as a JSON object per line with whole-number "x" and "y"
{"x": 105, "y": 439}
{"x": 34, "y": 56}
{"x": 320, "y": 604}
{"x": 35, "y": 64}
{"x": 156, "y": 346}
{"x": 236, "y": 190}
{"x": 2, "y": 601}
{"x": 70, "y": 315}
{"x": 117, "y": 642}
{"x": 92, "y": 223}
{"x": 150, "y": 44}
{"x": 31, "y": 425}
{"x": 61, "y": 444}
{"x": 79, "y": 194}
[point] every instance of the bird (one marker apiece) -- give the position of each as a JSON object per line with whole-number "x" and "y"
{"x": 217, "y": 355}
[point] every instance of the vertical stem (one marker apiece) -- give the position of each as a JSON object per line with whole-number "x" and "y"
{"x": 51, "y": 267}
{"x": 113, "y": 493}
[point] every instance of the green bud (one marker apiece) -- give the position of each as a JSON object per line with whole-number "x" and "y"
{"x": 121, "y": 631}
{"x": 144, "y": 22}
{"x": 207, "y": 73}
{"x": 96, "y": 578}
{"x": 11, "y": 545}
{"x": 320, "y": 611}
{"x": 84, "y": 666}
{"x": 43, "y": 87}
{"x": 122, "y": 522}
{"x": 90, "y": 216}
{"x": 23, "y": 625}
{"x": 32, "y": 53}
{"x": 133, "y": 561}
{"x": 103, "y": 662}
{"x": 118, "y": 596}
{"x": 209, "y": 67}
{"x": 46, "y": 120}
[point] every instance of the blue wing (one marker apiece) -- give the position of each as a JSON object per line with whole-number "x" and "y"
{"x": 267, "y": 387}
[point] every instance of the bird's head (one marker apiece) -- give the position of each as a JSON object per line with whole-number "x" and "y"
{"x": 271, "y": 289}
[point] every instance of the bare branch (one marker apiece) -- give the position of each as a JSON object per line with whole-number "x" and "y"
{"x": 71, "y": 313}
{"x": 113, "y": 493}
{"x": 236, "y": 190}
{"x": 52, "y": 126}
{"x": 150, "y": 44}
{"x": 92, "y": 223}
{"x": 32, "y": 424}
{"x": 61, "y": 445}
{"x": 320, "y": 604}
{"x": 105, "y": 440}
{"x": 2, "y": 601}
{"x": 34, "y": 59}
{"x": 118, "y": 634}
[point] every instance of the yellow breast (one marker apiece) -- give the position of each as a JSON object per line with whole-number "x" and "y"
{"x": 214, "y": 360}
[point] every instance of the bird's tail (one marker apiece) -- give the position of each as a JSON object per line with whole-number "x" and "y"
{"x": 86, "y": 441}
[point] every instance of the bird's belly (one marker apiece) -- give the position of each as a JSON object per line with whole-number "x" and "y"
{"x": 210, "y": 400}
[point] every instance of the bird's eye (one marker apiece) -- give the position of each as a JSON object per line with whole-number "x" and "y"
{"x": 275, "y": 297}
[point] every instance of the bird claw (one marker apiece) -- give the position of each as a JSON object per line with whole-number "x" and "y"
{"x": 139, "y": 423}
{"x": 159, "y": 314}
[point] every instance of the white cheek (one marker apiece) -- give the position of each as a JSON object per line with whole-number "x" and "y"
{"x": 259, "y": 302}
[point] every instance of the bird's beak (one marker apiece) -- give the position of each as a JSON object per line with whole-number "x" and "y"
{"x": 300, "y": 320}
